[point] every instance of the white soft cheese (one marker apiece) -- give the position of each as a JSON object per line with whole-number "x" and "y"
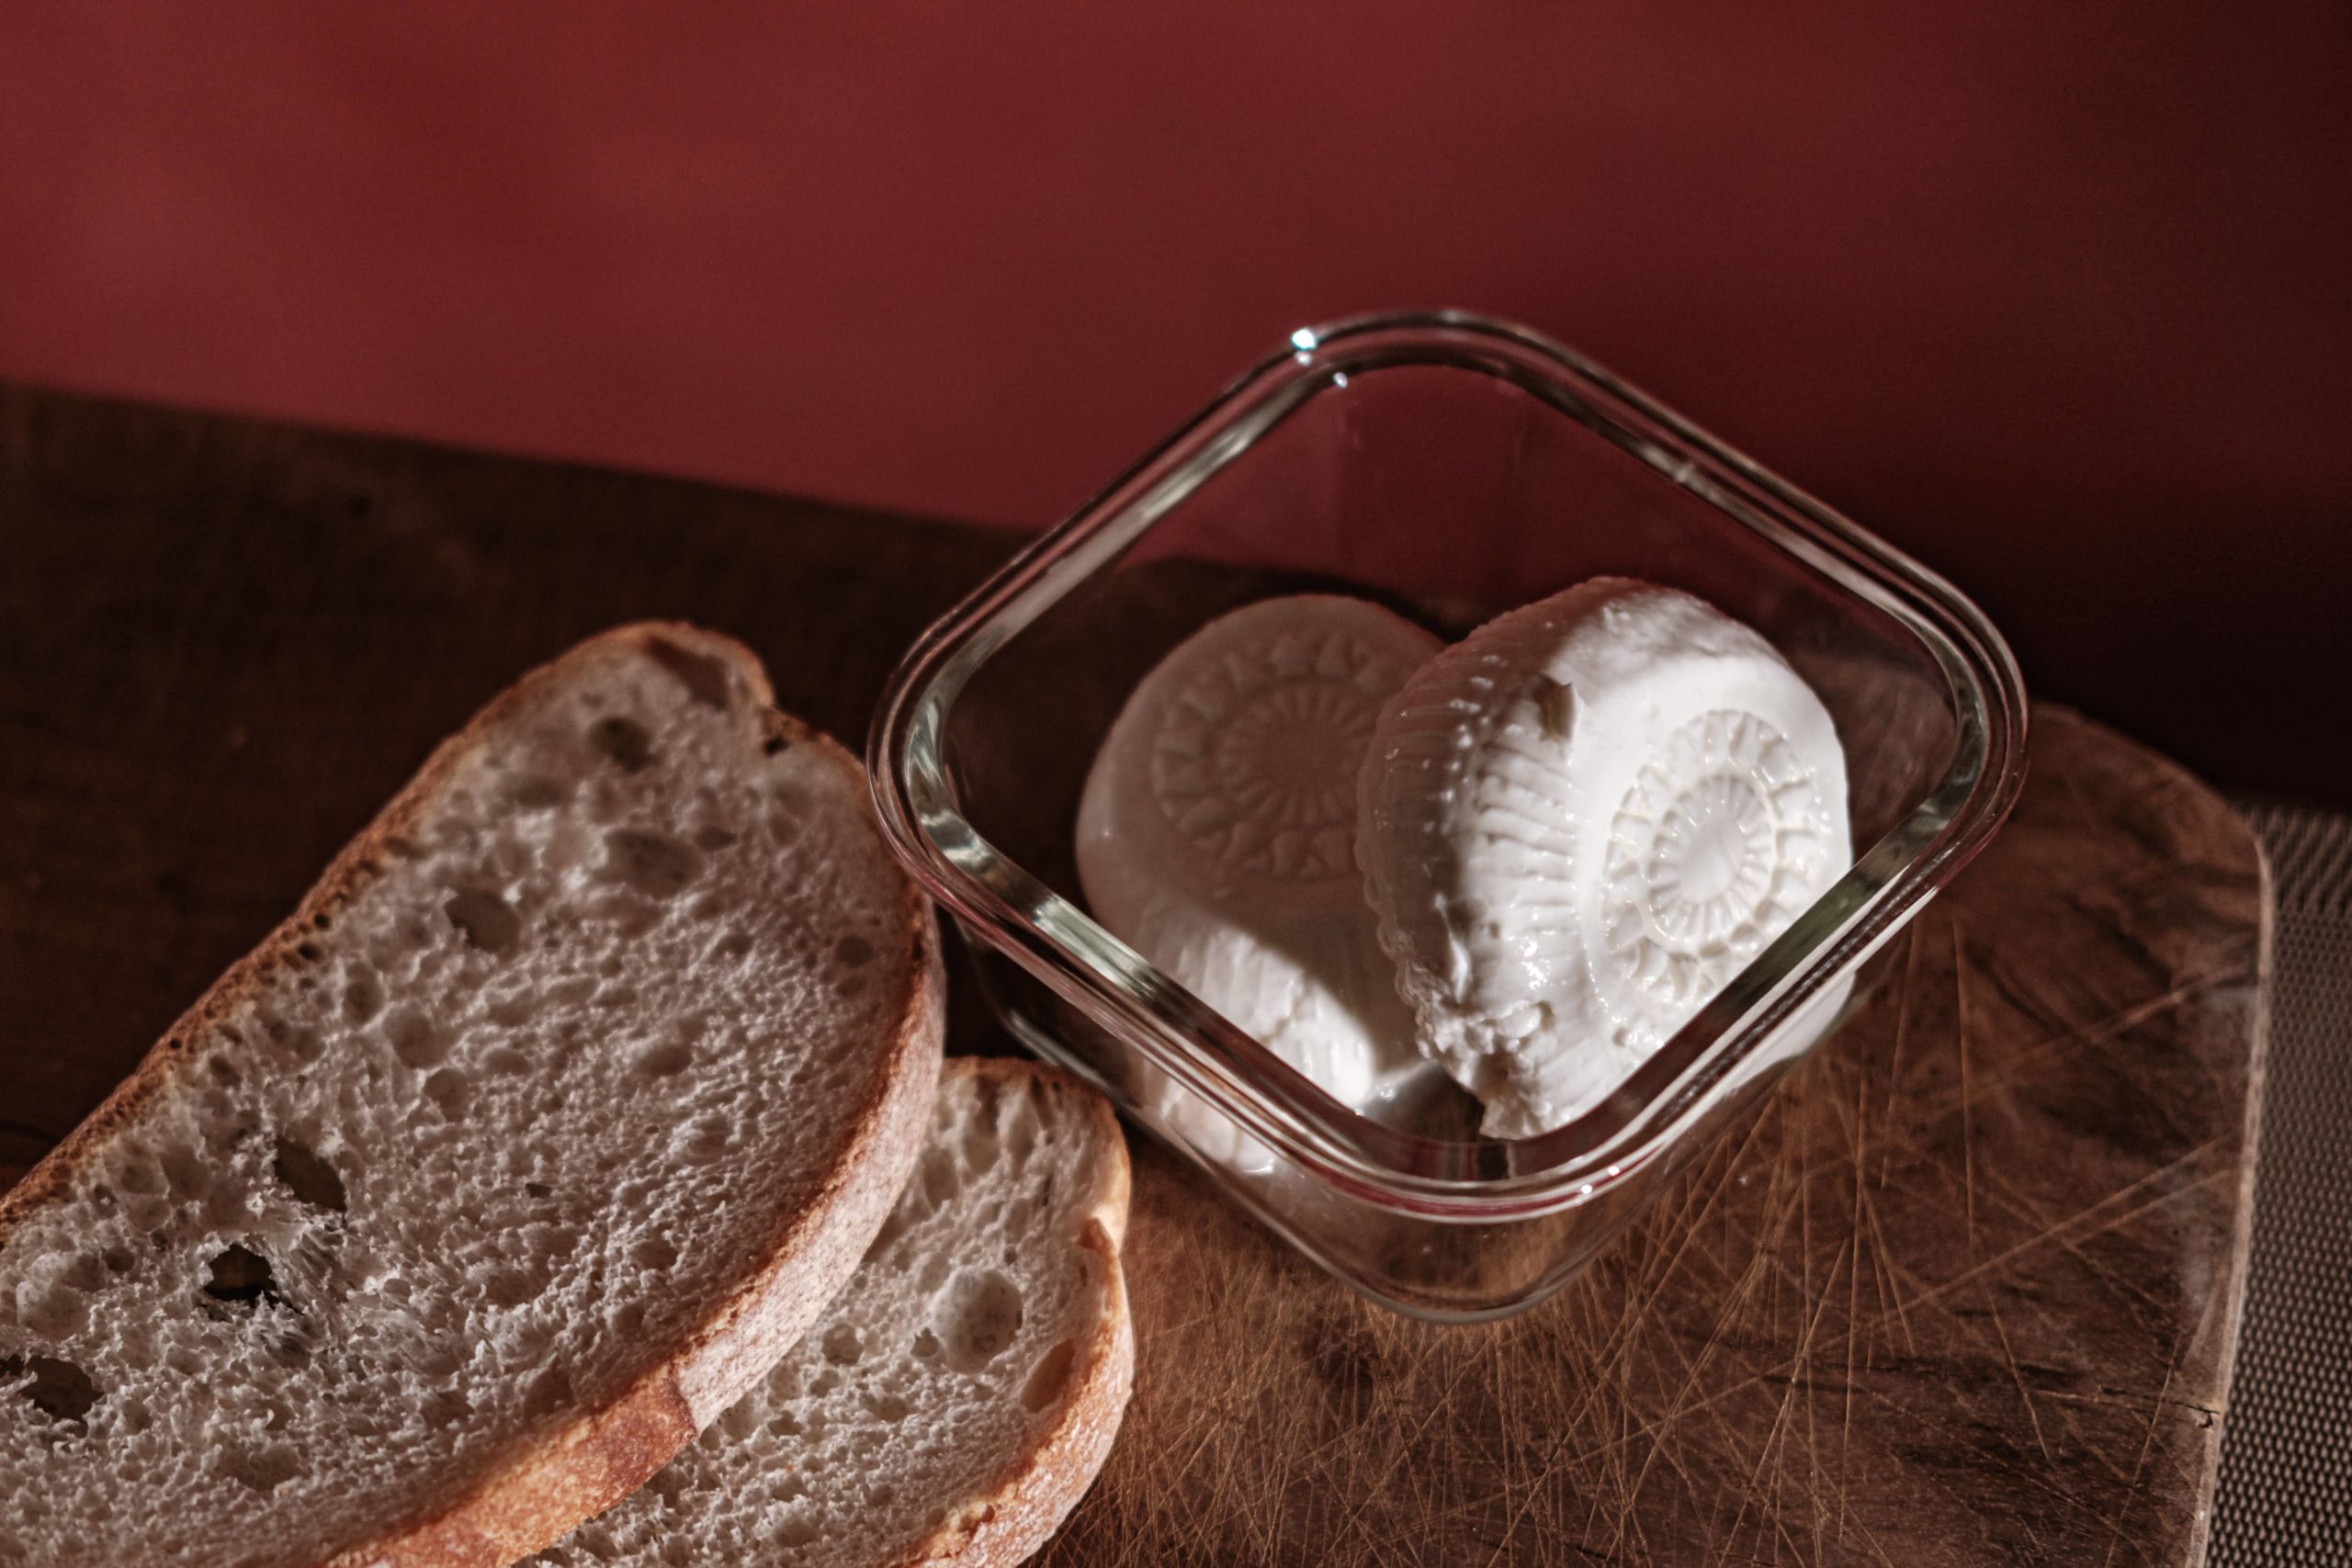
{"x": 1578, "y": 823}
{"x": 1216, "y": 837}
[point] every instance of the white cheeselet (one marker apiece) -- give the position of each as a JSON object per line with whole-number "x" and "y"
{"x": 1581, "y": 820}
{"x": 1216, "y": 837}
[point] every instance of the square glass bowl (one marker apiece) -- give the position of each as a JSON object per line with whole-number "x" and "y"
{"x": 1451, "y": 468}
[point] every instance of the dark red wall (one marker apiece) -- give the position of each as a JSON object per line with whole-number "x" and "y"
{"x": 2053, "y": 294}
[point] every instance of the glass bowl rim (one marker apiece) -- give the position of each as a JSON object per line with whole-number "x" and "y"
{"x": 1570, "y": 1164}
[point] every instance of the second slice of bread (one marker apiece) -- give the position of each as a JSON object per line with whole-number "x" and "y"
{"x": 960, "y": 1395}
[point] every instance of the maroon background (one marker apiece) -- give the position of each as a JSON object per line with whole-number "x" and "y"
{"x": 2054, "y": 295}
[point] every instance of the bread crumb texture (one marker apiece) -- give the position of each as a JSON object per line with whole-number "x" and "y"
{"x": 542, "y": 1074}
{"x": 979, "y": 1316}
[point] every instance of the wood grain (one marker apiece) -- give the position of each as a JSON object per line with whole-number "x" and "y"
{"x": 1962, "y": 1292}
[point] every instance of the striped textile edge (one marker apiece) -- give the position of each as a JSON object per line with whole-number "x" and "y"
{"x": 2284, "y": 1492}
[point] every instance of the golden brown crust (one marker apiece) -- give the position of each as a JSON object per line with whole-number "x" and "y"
{"x": 1037, "y": 1491}
{"x": 590, "y": 1465}
{"x": 766, "y": 1318}
{"x": 601, "y": 1455}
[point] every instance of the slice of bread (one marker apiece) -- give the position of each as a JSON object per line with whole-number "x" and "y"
{"x": 552, "y": 1119}
{"x": 960, "y": 1395}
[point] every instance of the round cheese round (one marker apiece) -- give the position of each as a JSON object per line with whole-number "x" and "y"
{"x": 1581, "y": 820}
{"x": 1216, "y": 837}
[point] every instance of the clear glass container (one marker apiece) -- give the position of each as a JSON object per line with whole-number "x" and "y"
{"x": 1448, "y": 467}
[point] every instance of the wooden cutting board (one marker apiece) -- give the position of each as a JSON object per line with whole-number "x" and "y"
{"x": 1962, "y": 1292}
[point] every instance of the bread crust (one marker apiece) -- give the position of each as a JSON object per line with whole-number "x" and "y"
{"x": 535, "y": 1497}
{"x": 1037, "y": 1491}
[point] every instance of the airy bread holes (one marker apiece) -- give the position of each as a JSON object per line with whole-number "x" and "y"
{"x": 977, "y": 1317}
{"x": 981, "y": 1145}
{"x": 137, "y": 1175}
{"x": 549, "y": 1392}
{"x": 310, "y": 1178}
{"x": 653, "y": 863}
{"x": 450, "y": 1091}
{"x": 624, "y": 740}
{"x": 486, "y": 919}
{"x": 413, "y": 1039}
{"x": 266, "y": 1470}
{"x": 1021, "y": 1139}
{"x": 540, "y": 792}
{"x": 842, "y": 1344}
{"x": 187, "y": 1171}
{"x": 705, "y": 679}
{"x": 940, "y": 1180}
{"x": 58, "y": 1390}
{"x": 666, "y": 1060}
{"x": 242, "y": 1277}
{"x": 363, "y": 996}
{"x": 1050, "y": 1376}
{"x": 336, "y": 1324}
{"x": 739, "y": 1422}
{"x": 853, "y": 951}
{"x": 302, "y": 1044}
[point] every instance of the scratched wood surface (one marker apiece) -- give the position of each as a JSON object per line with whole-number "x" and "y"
{"x": 1962, "y": 1292}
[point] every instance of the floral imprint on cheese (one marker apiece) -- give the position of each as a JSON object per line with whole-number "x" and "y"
{"x": 1256, "y": 759}
{"x": 1717, "y": 845}
{"x": 1216, "y": 837}
{"x": 1578, "y": 823}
